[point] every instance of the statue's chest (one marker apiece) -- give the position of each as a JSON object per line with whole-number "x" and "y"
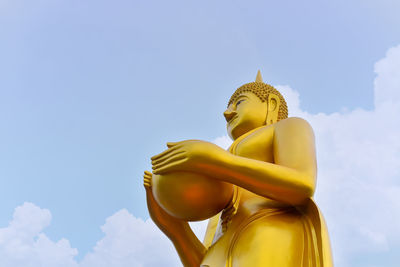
{"x": 257, "y": 145}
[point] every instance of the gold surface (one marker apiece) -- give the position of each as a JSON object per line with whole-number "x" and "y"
{"x": 194, "y": 197}
{"x": 269, "y": 218}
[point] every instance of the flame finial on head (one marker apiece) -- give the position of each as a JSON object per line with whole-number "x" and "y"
{"x": 259, "y": 77}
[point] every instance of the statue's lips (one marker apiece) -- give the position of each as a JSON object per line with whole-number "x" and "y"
{"x": 233, "y": 118}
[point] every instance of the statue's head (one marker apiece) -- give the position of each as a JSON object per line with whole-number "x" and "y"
{"x": 254, "y": 105}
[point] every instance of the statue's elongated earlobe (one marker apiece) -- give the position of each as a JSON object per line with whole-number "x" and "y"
{"x": 273, "y": 109}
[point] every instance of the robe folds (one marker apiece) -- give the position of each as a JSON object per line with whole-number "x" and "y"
{"x": 273, "y": 235}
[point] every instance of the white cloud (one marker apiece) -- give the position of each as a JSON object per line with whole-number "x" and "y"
{"x": 359, "y": 169}
{"x": 22, "y": 243}
{"x": 358, "y": 191}
{"x": 292, "y": 99}
{"x": 127, "y": 241}
{"x": 130, "y": 241}
{"x": 387, "y": 82}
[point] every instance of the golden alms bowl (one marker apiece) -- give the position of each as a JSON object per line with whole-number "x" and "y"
{"x": 190, "y": 196}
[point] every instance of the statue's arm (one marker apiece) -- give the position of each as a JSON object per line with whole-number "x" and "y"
{"x": 292, "y": 176}
{"x": 290, "y": 179}
{"x": 190, "y": 250}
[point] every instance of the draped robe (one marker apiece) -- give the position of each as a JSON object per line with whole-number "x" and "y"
{"x": 255, "y": 231}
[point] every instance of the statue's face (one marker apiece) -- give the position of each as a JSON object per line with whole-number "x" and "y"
{"x": 246, "y": 113}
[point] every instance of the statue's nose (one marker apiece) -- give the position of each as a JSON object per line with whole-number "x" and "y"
{"x": 229, "y": 114}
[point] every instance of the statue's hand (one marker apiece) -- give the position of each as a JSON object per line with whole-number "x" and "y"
{"x": 167, "y": 223}
{"x": 190, "y": 155}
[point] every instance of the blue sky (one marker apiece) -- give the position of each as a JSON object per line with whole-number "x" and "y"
{"x": 90, "y": 90}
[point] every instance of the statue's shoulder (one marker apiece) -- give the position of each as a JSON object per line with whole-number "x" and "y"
{"x": 293, "y": 125}
{"x": 293, "y": 122}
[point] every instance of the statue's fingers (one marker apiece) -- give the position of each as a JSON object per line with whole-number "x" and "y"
{"x": 147, "y": 176}
{"x": 159, "y": 160}
{"x": 147, "y": 180}
{"x": 169, "y": 167}
{"x": 169, "y": 160}
{"x": 165, "y": 152}
{"x": 171, "y": 144}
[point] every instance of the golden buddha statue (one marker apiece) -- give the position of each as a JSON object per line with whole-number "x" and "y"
{"x": 265, "y": 183}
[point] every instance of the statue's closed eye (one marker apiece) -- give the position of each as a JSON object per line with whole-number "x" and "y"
{"x": 240, "y": 101}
